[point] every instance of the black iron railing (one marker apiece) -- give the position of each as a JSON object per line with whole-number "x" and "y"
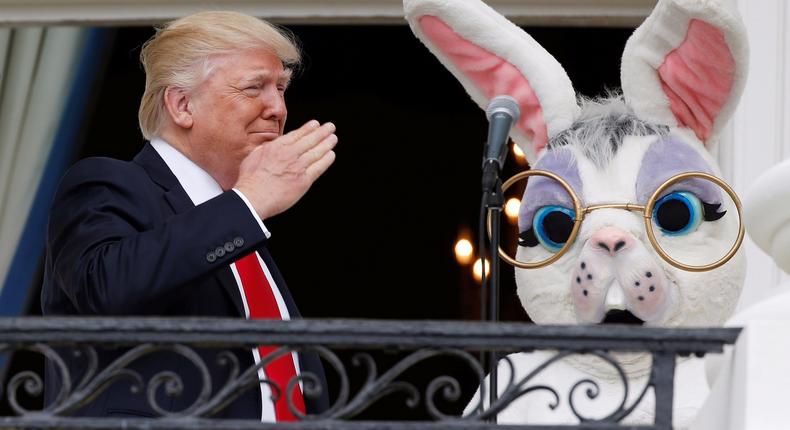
{"x": 418, "y": 342}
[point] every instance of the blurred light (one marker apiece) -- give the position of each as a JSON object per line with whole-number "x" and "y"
{"x": 511, "y": 208}
{"x": 517, "y": 151}
{"x": 477, "y": 270}
{"x": 463, "y": 251}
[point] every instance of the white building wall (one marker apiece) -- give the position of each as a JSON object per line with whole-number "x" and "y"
{"x": 759, "y": 135}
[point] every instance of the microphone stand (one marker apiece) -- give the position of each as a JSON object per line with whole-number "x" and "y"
{"x": 494, "y": 201}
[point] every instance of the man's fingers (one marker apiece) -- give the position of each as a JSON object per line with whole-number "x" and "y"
{"x": 319, "y": 167}
{"x": 313, "y": 138}
{"x": 304, "y": 130}
{"x": 317, "y": 152}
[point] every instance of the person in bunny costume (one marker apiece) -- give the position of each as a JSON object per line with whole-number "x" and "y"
{"x": 683, "y": 71}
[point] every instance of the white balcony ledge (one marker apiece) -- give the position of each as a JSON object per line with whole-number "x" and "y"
{"x": 620, "y": 13}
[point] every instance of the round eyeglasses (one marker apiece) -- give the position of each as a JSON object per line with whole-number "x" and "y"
{"x": 690, "y": 202}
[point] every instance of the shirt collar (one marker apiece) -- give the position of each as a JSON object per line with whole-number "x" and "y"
{"x": 198, "y": 184}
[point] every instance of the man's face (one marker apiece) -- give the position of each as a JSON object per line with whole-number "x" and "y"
{"x": 240, "y": 106}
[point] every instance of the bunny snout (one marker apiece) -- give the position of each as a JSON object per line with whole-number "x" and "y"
{"x": 614, "y": 263}
{"x": 612, "y": 240}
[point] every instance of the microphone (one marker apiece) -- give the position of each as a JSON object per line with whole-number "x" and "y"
{"x": 502, "y": 113}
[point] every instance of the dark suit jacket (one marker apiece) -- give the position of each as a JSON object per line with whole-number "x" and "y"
{"x": 124, "y": 238}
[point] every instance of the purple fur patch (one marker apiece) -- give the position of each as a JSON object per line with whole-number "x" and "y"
{"x": 668, "y": 157}
{"x": 542, "y": 191}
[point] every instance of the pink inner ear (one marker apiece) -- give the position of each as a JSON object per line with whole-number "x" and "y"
{"x": 491, "y": 74}
{"x": 697, "y": 77}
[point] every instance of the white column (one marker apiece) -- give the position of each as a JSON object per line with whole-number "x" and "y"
{"x": 759, "y": 136}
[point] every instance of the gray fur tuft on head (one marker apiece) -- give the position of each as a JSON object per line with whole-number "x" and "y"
{"x": 601, "y": 127}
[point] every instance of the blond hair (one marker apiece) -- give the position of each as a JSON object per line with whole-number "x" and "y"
{"x": 178, "y": 55}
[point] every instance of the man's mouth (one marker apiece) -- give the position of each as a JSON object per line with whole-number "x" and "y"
{"x": 261, "y": 137}
{"x": 617, "y": 316}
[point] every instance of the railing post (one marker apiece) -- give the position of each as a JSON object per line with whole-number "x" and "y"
{"x": 663, "y": 380}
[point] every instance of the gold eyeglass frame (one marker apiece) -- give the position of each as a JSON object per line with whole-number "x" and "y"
{"x": 647, "y": 215}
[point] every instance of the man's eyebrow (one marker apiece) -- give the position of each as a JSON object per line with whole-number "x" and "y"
{"x": 284, "y": 78}
{"x": 258, "y": 76}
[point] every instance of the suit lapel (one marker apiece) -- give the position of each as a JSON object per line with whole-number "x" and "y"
{"x": 179, "y": 201}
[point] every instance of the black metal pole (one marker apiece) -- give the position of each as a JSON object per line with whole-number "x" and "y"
{"x": 493, "y": 301}
{"x": 494, "y": 202}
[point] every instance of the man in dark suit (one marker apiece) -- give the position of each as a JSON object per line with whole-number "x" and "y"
{"x": 180, "y": 229}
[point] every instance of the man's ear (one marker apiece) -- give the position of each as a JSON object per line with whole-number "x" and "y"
{"x": 177, "y": 103}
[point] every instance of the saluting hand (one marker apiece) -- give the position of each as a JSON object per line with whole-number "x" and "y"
{"x": 278, "y": 173}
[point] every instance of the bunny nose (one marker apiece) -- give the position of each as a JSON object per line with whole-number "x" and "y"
{"x": 611, "y": 240}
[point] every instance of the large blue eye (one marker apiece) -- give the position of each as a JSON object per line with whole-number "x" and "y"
{"x": 678, "y": 213}
{"x": 552, "y": 226}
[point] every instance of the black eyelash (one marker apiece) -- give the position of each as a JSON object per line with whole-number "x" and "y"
{"x": 711, "y": 211}
{"x": 527, "y": 238}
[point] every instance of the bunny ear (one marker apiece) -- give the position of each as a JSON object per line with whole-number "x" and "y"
{"x": 491, "y": 56}
{"x": 686, "y": 65}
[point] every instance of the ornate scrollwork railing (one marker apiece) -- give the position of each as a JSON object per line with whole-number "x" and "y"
{"x": 64, "y": 340}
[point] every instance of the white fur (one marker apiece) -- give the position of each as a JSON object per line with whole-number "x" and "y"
{"x": 590, "y": 132}
{"x": 493, "y": 32}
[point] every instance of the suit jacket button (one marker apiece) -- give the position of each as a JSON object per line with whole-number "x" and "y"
{"x": 211, "y": 257}
{"x": 220, "y": 252}
{"x": 239, "y": 242}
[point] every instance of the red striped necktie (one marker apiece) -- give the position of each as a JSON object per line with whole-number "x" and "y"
{"x": 263, "y": 305}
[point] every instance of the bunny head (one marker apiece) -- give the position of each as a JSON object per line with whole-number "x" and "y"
{"x": 683, "y": 71}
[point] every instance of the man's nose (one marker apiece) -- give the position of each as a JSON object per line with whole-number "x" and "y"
{"x": 274, "y": 106}
{"x": 611, "y": 240}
